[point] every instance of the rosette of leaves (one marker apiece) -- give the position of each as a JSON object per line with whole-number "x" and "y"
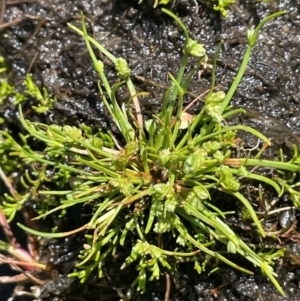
{"x": 154, "y": 182}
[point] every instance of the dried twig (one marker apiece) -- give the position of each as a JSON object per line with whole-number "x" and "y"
{"x": 10, "y": 23}
{"x": 168, "y": 287}
{"x": 3, "y": 6}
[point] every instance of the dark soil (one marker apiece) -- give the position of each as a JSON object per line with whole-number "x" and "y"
{"x": 35, "y": 39}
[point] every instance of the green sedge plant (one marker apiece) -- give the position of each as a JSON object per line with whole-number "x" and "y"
{"x": 155, "y": 182}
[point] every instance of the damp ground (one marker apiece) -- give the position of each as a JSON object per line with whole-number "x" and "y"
{"x": 35, "y": 39}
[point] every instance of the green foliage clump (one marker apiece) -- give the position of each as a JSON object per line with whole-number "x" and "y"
{"x": 155, "y": 182}
{"x": 45, "y": 102}
{"x": 222, "y": 5}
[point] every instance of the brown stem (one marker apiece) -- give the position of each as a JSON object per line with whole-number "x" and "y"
{"x": 7, "y": 231}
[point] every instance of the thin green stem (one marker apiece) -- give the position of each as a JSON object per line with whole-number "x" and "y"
{"x": 250, "y": 209}
{"x": 263, "y": 163}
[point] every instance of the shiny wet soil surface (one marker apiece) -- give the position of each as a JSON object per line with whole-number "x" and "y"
{"x": 35, "y": 39}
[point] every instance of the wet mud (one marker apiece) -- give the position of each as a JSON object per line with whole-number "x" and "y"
{"x": 35, "y": 39}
